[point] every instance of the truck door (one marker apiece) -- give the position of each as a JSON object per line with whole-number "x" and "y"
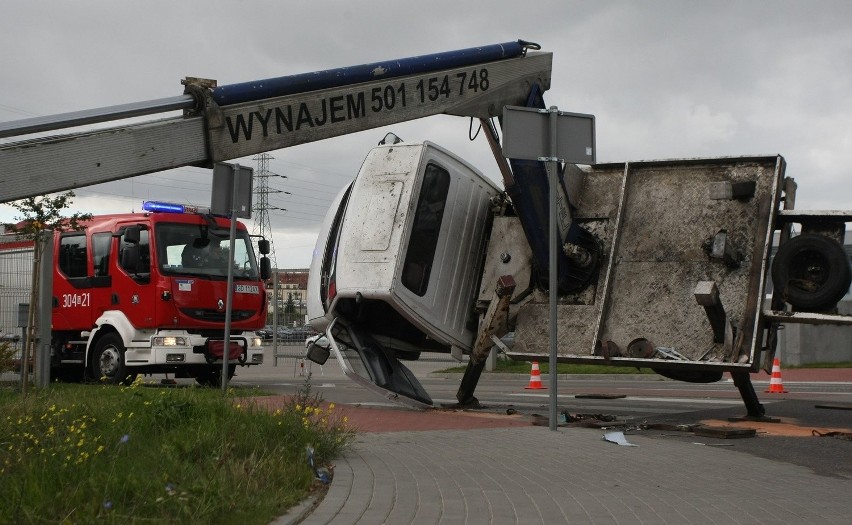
{"x": 72, "y": 298}
{"x": 101, "y": 280}
{"x": 132, "y": 289}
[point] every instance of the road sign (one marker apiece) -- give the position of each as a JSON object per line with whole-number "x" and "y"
{"x": 551, "y": 136}
{"x": 228, "y": 194}
{"x": 526, "y": 135}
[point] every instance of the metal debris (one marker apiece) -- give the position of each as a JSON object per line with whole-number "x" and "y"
{"x": 670, "y": 353}
{"x": 725, "y": 432}
{"x": 835, "y": 434}
{"x": 618, "y": 438}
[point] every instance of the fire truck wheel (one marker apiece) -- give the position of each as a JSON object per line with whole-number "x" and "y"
{"x": 811, "y": 272}
{"x": 107, "y": 361}
{"x": 212, "y": 375}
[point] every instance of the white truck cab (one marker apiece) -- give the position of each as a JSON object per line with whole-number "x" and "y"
{"x": 400, "y": 251}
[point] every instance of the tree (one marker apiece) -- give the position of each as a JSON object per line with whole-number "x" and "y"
{"x": 288, "y": 309}
{"x": 39, "y": 215}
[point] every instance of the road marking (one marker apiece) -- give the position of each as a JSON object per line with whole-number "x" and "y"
{"x": 688, "y": 400}
{"x": 321, "y": 385}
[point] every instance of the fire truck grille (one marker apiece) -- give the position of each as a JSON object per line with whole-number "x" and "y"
{"x": 216, "y": 316}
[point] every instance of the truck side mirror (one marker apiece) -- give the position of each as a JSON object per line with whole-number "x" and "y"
{"x": 263, "y": 246}
{"x": 317, "y": 353}
{"x": 265, "y": 269}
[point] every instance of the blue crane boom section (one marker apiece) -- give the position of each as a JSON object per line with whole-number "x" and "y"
{"x": 344, "y": 76}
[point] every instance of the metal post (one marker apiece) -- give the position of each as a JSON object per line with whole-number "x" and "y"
{"x": 275, "y": 316}
{"x": 42, "y": 371}
{"x": 230, "y": 293}
{"x": 553, "y": 286}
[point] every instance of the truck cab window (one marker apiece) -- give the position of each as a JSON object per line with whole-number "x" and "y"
{"x": 426, "y": 229}
{"x": 101, "y": 243}
{"x": 138, "y": 265}
{"x": 190, "y": 249}
{"x": 72, "y": 255}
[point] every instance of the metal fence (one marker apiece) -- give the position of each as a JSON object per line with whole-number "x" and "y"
{"x": 16, "y": 265}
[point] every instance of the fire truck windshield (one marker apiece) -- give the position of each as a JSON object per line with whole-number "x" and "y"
{"x": 194, "y": 249}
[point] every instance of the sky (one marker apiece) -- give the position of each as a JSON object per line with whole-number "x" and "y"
{"x": 664, "y": 79}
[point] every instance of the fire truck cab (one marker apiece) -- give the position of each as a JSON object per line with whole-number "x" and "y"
{"x": 145, "y": 293}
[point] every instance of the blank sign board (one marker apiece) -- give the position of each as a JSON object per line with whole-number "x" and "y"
{"x": 223, "y": 199}
{"x": 526, "y": 135}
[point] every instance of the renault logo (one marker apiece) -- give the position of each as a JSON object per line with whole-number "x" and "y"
{"x": 220, "y": 305}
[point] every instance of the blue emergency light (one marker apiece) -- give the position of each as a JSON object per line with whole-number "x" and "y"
{"x": 169, "y": 207}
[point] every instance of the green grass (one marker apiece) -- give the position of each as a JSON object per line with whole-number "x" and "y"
{"x": 142, "y": 454}
{"x": 844, "y": 364}
{"x": 508, "y": 366}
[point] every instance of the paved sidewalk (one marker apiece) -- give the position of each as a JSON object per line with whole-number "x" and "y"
{"x": 530, "y": 474}
{"x": 465, "y": 467}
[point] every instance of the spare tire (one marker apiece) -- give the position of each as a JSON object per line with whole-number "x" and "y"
{"x": 811, "y": 272}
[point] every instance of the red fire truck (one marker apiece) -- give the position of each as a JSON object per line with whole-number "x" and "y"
{"x": 146, "y": 293}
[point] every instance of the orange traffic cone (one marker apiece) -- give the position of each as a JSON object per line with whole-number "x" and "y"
{"x": 775, "y": 385}
{"x": 535, "y": 378}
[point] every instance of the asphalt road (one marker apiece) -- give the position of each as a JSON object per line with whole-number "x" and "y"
{"x": 624, "y": 396}
{"x": 647, "y": 404}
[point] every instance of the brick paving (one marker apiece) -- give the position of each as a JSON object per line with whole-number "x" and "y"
{"x": 457, "y": 467}
{"x": 527, "y": 474}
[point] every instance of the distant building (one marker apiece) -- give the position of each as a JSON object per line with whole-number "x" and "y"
{"x": 292, "y": 293}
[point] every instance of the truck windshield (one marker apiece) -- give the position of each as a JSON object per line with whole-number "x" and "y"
{"x": 196, "y": 249}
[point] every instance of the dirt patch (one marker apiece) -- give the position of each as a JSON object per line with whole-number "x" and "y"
{"x": 367, "y": 419}
{"x": 787, "y": 427}
{"x": 377, "y": 419}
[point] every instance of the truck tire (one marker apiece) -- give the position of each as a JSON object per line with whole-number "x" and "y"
{"x": 107, "y": 361}
{"x": 811, "y": 272}
{"x": 212, "y": 375}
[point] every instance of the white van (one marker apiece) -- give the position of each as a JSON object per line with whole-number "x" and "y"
{"x": 401, "y": 251}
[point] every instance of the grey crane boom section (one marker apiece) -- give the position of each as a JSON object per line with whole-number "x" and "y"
{"x": 220, "y": 133}
{"x": 94, "y": 116}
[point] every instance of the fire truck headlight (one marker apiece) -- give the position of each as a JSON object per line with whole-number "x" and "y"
{"x": 256, "y": 341}
{"x": 168, "y": 341}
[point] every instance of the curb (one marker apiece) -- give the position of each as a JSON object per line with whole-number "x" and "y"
{"x": 300, "y": 511}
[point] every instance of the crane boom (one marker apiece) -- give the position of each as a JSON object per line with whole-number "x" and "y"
{"x": 244, "y": 119}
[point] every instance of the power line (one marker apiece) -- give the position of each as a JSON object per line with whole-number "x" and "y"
{"x": 262, "y": 225}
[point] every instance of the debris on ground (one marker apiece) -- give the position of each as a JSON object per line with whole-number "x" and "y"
{"x": 618, "y": 438}
{"x": 566, "y": 419}
{"x": 669, "y": 427}
{"x": 835, "y": 434}
{"x": 724, "y": 432}
{"x": 321, "y": 474}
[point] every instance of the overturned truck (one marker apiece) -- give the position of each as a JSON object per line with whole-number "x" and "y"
{"x": 664, "y": 265}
